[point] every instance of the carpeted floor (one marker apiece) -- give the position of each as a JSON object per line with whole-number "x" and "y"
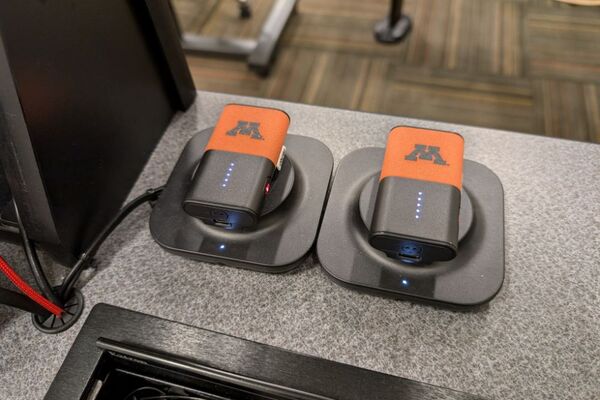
{"x": 523, "y": 65}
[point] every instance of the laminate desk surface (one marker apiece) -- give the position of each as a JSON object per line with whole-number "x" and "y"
{"x": 538, "y": 339}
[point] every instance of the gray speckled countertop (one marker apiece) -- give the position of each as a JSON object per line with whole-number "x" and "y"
{"x": 538, "y": 339}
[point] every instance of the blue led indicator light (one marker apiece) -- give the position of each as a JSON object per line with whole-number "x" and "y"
{"x": 420, "y": 193}
{"x": 222, "y": 247}
{"x": 223, "y": 185}
{"x": 404, "y": 282}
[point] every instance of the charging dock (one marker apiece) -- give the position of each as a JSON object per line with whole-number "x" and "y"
{"x": 289, "y": 220}
{"x": 472, "y": 278}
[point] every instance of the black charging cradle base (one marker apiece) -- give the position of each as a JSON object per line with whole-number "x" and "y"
{"x": 286, "y": 231}
{"x": 473, "y": 278}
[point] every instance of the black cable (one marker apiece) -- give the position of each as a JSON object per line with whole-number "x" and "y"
{"x": 22, "y": 302}
{"x": 129, "y": 396}
{"x": 34, "y": 263}
{"x": 9, "y": 229}
{"x": 71, "y": 278}
{"x": 173, "y": 397}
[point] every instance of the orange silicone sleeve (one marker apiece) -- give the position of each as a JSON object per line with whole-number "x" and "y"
{"x": 272, "y": 125}
{"x": 423, "y": 154}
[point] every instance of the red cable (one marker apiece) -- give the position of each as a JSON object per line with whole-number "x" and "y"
{"x": 28, "y": 290}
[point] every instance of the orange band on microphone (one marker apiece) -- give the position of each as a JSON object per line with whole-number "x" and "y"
{"x": 423, "y": 154}
{"x": 250, "y": 130}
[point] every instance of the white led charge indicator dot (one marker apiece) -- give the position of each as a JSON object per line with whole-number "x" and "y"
{"x": 419, "y": 204}
{"x": 227, "y": 176}
{"x": 222, "y": 247}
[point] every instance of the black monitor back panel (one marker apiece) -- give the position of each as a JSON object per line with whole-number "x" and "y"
{"x": 86, "y": 90}
{"x": 121, "y": 355}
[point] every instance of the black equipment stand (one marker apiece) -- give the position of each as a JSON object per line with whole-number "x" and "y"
{"x": 394, "y": 27}
{"x": 260, "y": 51}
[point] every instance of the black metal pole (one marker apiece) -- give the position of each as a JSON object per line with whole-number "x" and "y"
{"x": 395, "y": 26}
{"x": 395, "y": 12}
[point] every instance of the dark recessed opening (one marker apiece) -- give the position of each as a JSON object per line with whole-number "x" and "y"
{"x": 121, "y": 377}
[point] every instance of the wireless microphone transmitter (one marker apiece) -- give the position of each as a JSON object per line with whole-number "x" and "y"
{"x": 415, "y": 217}
{"x": 240, "y": 161}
